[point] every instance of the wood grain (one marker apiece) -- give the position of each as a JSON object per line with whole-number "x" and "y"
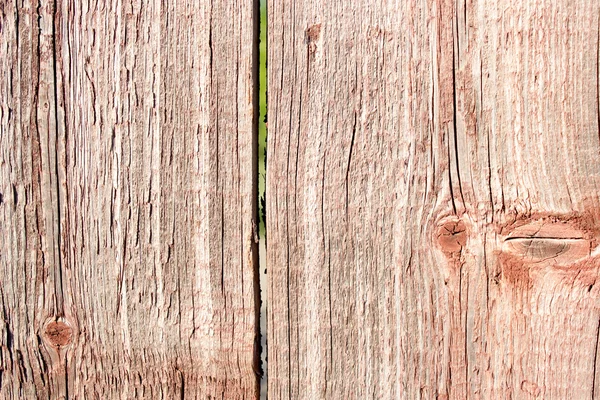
{"x": 433, "y": 199}
{"x": 128, "y": 171}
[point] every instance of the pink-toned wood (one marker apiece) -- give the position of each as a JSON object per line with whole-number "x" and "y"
{"x": 433, "y": 203}
{"x": 128, "y": 200}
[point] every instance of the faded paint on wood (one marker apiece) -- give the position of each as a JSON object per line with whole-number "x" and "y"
{"x": 433, "y": 202}
{"x": 128, "y": 200}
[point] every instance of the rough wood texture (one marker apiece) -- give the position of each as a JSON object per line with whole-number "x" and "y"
{"x": 433, "y": 199}
{"x": 128, "y": 199}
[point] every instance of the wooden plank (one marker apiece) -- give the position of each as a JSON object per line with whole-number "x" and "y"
{"x": 128, "y": 262}
{"x": 433, "y": 202}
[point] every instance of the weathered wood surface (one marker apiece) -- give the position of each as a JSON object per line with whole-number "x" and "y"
{"x": 433, "y": 199}
{"x": 128, "y": 204}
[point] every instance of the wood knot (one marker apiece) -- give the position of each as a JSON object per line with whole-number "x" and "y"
{"x": 547, "y": 241}
{"x": 58, "y": 334}
{"x": 313, "y": 33}
{"x": 551, "y": 247}
{"x": 452, "y": 236}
